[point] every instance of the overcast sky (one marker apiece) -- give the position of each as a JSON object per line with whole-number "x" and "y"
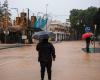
{"x": 58, "y": 9}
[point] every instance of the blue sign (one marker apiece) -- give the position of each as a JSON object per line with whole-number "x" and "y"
{"x": 87, "y": 29}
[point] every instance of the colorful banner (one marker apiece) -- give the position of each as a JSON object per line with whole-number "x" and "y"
{"x": 40, "y": 22}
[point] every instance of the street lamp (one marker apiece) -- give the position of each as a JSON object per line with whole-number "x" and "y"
{"x": 95, "y": 26}
{"x": 77, "y": 32}
{"x": 46, "y": 15}
{"x": 27, "y": 17}
{"x": 29, "y": 31}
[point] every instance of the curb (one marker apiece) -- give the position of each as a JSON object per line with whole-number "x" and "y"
{"x": 13, "y": 46}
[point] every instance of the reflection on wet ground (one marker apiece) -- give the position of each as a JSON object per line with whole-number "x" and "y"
{"x": 96, "y": 50}
{"x": 71, "y": 63}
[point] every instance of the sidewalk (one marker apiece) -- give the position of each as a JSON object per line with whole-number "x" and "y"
{"x": 6, "y": 46}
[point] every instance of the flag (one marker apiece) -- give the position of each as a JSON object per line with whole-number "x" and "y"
{"x": 40, "y": 22}
{"x": 37, "y": 22}
{"x": 44, "y": 22}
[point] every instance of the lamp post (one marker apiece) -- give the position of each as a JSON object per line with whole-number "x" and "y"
{"x": 29, "y": 31}
{"x": 28, "y": 17}
{"x": 95, "y": 26}
{"x": 78, "y": 30}
{"x": 46, "y": 14}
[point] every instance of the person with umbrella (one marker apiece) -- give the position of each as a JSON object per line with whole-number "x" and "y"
{"x": 88, "y": 37}
{"x": 46, "y": 53}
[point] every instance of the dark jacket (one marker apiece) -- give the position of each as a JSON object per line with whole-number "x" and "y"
{"x": 88, "y": 40}
{"x": 46, "y": 51}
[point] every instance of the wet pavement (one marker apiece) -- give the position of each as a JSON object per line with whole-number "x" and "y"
{"x": 6, "y": 46}
{"x": 72, "y": 63}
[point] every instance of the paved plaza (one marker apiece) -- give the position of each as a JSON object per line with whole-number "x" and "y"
{"x": 72, "y": 63}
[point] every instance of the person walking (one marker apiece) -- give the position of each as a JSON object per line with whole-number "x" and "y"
{"x": 88, "y": 41}
{"x": 46, "y": 53}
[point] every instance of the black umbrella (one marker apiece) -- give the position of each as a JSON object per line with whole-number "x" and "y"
{"x": 43, "y": 35}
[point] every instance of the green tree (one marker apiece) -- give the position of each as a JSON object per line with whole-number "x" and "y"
{"x": 79, "y": 18}
{"x": 1, "y": 14}
{"x": 5, "y": 14}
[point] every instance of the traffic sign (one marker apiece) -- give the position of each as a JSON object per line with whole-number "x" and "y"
{"x": 87, "y": 29}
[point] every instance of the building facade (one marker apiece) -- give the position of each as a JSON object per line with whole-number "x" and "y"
{"x": 61, "y": 30}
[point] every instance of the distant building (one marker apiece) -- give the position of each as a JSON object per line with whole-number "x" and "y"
{"x": 61, "y": 30}
{"x": 12, "y": 31}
